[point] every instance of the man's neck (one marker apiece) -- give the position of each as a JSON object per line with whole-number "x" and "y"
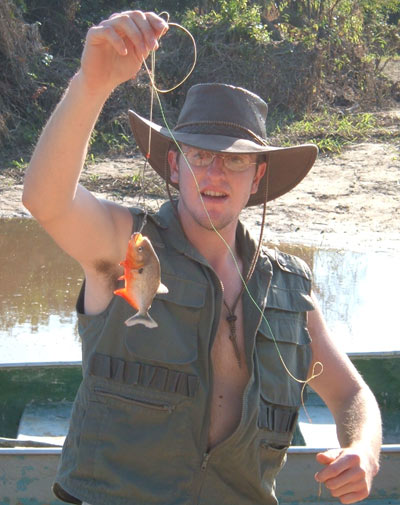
{"x": 216, "y": 248}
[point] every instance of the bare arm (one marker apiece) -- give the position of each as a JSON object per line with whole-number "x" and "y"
{"x": 349, "y": 471}
{"x": 92, "y": 231}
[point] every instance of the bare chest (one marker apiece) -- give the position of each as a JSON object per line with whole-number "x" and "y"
{"x": 230, "y": 377}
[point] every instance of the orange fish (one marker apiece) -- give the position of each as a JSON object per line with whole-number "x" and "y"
{"x": 142, "y": 275}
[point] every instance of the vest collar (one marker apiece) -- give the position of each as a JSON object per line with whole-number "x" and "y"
{"x": 174, "y": 236}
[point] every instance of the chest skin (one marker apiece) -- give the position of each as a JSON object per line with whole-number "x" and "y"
{"x": 228, "y": 357}
{"x": 229, "y": 379}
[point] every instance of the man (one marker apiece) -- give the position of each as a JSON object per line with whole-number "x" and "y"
{"x": 202, "y": 408}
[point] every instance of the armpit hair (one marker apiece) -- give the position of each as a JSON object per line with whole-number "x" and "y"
{"x": 109, "y": 270}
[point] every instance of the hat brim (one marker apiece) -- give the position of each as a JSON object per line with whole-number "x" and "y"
{"x": 287, "y": 166}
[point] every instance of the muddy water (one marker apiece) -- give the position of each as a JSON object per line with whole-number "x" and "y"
{"x": 359, "y": 296}
{"x": 39, "y": 284}
{"x": 38, "y": 288}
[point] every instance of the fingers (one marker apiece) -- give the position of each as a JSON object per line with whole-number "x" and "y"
{"x": 328, "y": 456}
{"x": 99, "y": 34}
{"x": 354, "y": 488}
{"x": 134, "y": 30}
{"x": 159, "y": 25}
{"x": 344, "y": 476}
{"x": 116, "y": 48}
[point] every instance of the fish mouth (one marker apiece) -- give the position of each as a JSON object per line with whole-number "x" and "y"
{"x": 137, "y": 237}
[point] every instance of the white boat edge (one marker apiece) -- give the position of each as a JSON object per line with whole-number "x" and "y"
{"x": 76, "y": 363}
{"x": 41, "y": 364}
{"x": 294, "y": 449}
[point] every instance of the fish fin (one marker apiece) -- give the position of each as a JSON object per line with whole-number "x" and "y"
{"x": 126, "y": 296}
{"x": 122, "y": 278}
{"x": 122, "y": 263}
{"x": 162, "y": 289}
{"x": 144, "y": 319}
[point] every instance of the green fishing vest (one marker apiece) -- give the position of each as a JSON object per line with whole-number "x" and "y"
{"x": 139, "y": 428}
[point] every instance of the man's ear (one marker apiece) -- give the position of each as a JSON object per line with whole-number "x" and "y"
{"x": 261, "y": 168}
{"x": 173, "y": 166}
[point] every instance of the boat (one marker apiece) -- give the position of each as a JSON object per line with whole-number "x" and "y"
{"x": 36, "y": 401}
{"x": 296, "y": 484}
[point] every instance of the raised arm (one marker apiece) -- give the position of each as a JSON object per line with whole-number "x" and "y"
{"x": 348, "y": 471}
{"x": 94, "y": 232}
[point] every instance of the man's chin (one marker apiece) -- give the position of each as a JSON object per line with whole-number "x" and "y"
{"x": 210, "y": 219}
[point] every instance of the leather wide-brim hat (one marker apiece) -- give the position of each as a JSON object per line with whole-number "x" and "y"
{"x": 226, "y": 119}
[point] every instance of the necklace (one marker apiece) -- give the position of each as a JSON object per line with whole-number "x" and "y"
{"x": 231, "y": 318}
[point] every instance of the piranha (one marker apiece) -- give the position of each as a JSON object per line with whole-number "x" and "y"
{"x": 142, "y": 275}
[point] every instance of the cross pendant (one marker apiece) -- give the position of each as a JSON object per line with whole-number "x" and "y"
{"x": 231, "y": 318}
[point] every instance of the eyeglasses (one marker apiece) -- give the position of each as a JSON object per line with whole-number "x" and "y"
{"x": 235, "y": 162}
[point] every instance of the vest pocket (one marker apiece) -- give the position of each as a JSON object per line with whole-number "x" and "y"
{"x": 135, "y": 401}
{"x": 283, "y": 352}
{"x": 177, "y": 313}
{"x": 272, "y": 458}
{"x": 125, "y": 431}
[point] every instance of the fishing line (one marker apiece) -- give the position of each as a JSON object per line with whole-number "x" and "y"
{"x": 151, "y": 73}
{"x": 155, "y": 89}
{"x": 314, "y": 373}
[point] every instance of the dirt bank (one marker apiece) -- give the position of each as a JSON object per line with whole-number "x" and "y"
{"x": 349, "y": 201}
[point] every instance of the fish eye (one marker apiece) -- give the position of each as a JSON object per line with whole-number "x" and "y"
{"x": 140, "y": 248}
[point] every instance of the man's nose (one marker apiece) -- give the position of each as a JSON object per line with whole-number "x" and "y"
{"x": 217, "y": 165}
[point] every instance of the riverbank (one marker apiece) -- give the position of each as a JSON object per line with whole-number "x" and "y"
{"x": 348, "y": 201}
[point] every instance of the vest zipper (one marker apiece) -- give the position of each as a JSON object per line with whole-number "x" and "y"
{"x": 143, "y": 403}
{"x": 207, "y": 454}
{"x": 206, "y": 457}
{"x": 203, "y": 469}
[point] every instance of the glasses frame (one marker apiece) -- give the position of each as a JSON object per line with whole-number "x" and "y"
{"x": 187, "y": 149}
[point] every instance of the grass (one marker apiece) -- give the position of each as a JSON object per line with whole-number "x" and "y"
{"x": 332, "y": 131}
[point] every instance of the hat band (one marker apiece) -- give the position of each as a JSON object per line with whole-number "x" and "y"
{"x": 220, "y": 128}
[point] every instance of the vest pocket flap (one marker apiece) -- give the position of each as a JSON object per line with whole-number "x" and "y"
{"x": 291, "y": 300}
{"x": 183, "y": 291}
{"x": 276, "y": 418}
{"x": 289, "y": 327}
{"x": 177, "y": 314}
{"x": 284, "y": 356}
{"x": 134, "y": 373}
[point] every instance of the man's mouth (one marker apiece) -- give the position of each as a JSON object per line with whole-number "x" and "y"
{"x": 213, "y": 194}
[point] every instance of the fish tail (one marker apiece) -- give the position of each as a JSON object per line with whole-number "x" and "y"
{"x": 144, "y": 319}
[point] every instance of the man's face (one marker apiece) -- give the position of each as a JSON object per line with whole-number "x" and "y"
{"x": 214, "y": 186}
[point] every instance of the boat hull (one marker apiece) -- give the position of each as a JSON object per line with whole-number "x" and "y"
{"x": 26, "y": 476}
{"x": 27, "y": 473}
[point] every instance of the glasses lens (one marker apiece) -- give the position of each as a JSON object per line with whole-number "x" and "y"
{"x": 238, "y": 162}
{"x": 199, "y": 158}
{"x": 234, "y": 162}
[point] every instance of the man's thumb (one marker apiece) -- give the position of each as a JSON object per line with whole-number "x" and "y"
{"x": 324, "y": 458}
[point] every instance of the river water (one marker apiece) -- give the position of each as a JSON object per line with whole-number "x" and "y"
{"x": 38, "y": 288}
{"x": 39, "y": 284}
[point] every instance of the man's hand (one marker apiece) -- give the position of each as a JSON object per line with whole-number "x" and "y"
{"x": 114, "y": 50}
{"x": 348, "y": 473}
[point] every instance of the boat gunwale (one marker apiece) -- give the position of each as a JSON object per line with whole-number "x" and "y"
{"x": 78, "y": 363}
{"x": 41, "y": 364}
{"x": 295, "y": 449}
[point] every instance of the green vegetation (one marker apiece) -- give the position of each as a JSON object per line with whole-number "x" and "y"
{"x": 331, "y": 131}
{"x": 314, "y": 61}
